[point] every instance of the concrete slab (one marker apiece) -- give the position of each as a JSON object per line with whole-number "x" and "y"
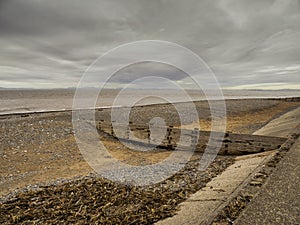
{"x": 281, "y": 126}
{"x": 191, "y": 213}
{"x": 279, "y": 199}
{"x": 217, "y": 192}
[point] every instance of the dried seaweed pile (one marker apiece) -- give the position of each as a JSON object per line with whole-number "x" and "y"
{"x": 94, "y": 200}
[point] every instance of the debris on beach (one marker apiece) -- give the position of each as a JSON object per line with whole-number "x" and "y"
{"x": 92, "y": 200}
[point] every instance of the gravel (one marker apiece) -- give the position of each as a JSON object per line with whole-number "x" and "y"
{"x": 94, "y": 200}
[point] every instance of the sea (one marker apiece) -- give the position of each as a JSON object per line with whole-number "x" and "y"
{"x": 24, "y": 100}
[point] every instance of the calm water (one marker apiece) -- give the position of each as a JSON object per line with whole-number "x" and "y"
{"x": 16, "y": 101}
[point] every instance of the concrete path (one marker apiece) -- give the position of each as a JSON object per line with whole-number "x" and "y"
{"x": 279, "y": 199}
{"x": 204, "y": 204}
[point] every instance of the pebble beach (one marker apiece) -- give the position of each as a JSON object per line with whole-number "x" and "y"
{"x": 45, "y": 180}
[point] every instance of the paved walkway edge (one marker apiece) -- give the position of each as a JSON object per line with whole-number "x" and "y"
{"x": 204, "y": 205}
{"x": 278, "y": 201}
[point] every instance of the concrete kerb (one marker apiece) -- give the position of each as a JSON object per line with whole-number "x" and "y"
{"x": 279, "y": 154}
{"x": 204, "y": 205}
{"x": 277, "y": 200}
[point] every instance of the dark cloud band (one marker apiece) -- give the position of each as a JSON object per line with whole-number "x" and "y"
{"x": 240, "y": 40}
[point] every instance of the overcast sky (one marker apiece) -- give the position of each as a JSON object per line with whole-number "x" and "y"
{"x": 247, "y": 44}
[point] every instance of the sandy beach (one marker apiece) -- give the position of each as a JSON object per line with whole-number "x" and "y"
{"x": 39, "y": 154}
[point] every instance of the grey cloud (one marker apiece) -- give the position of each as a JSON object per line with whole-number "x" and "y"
{"x": 146, "y": 69}
{"x": 52, "y": 40}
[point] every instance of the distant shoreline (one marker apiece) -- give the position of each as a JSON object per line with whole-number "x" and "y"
{"x": 30, "y": 112}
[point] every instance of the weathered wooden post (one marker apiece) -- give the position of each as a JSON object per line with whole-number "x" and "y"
{"x": 148, "y": 136}
{"x": 169, "y": 137}
{"x": 112, "y": 129}
{"x": 99, "y": 125}
{"x": 127, "y": 132}
{"x": 194, "y": 138}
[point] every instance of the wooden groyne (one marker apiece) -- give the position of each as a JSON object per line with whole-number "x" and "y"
{"x": 183, "y": 139}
